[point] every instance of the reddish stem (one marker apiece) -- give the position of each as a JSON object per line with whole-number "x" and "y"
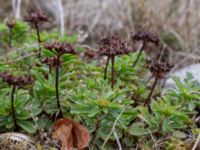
{"x": 39, "y": 39}
{"x": 140, "y": 53}
{"x": 10, "y": 37}
{"x": 113, "y": 71}
{"x": 106, "y": 67}
{"x": 57, "y": 87}
{"x": 148, "y": 101}
{"x": 12, "y": 106}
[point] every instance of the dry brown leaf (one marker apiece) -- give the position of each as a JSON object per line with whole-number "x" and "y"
{"x": 71, "y": 134}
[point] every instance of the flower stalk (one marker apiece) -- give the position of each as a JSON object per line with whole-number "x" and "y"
{"x": 10, "y": 24}
{"x": 145, "y": 37}
{"x": 148, "y": 101}
{"x": 111, "y": 46}
{"x": 57, "y": 87}
{"x": 15, "y": 82}
{"x": 106, "y": 67}
{"x": 39, "y": 39}
{"x": 113, "y": 71}
{"x": 139, "y": 54}
{"x": 12, "y": 108}
{"x": 35, "y": 18}
{"x": 58, "y": 49}
{"x": 159, "y": 71}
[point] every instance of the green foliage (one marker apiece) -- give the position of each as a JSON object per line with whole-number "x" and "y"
{"x": 23, "y": 114}
{"x": 187, "y": 94}
{"x": 19, "y": 33}
{"x": 165, "y": 119}
{"x": 89, "y": 99}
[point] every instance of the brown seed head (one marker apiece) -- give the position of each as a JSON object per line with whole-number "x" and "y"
{"x": 159, "y": 69}
{"x": 36, "y": 17}
{"x": 112, "y": 46}
{"x": 52, "y": 61}
{"x": 60, "y": 48}
{"x": 11, "y": 22}
{"x": 146, "y": 37}
{"x": 20, "y": 82}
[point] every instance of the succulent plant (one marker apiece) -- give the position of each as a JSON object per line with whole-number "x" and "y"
{"x": 159, "y": 71}
{"x": 111, "y": 46}
{"x": 58, "y": 49}
{"x": 15, "y": 82}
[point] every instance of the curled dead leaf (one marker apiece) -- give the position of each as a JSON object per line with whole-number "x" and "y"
{"x": 71, "y": 134}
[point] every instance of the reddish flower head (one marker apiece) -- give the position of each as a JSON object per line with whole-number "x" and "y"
{"x": 146, "y": 37}
{"x": 60, "y": 48}
{"x": 112, "y": 46}
{"x": 20, "y": 82}
{"x": 159, "y": 69}
{"x": 52, "y": 61}
{"x": 36, "y": 17}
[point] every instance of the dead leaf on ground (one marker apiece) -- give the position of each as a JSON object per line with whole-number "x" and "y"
{"x": 71, "y": 134}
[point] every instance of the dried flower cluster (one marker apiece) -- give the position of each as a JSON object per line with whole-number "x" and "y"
{"x": 60, "y": 48}
{"x": 19, "y": 82}
{"x": 11, "y": 22}
{"x": 146, "y": 37}
{"x": 112, "y": 46}
{"x": 51, "y": 61}
{"x": 36, "y": 17}
{"x": 159, "y": 69}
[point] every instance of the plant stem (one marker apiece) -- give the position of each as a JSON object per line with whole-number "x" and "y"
{"x": 140, "y": 53}
{"x": 12, "y": 106}
{"x": 39, "y": 39}
{"x": 113, "y": 128}
{"x": 10, "y": 37}
{"x": 96, "y": 132}
{"x": 148, "y": 101}
{"x": 105, "y": 70}
{"x": 57, "y": 86}
{"x": 113, "y": 71}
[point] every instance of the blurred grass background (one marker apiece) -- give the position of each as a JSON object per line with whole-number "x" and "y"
{"x": 176, "y": 21}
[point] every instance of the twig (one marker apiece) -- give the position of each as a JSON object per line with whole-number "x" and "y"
{"x": 155, "y": 144}
{"x": 33, "y": 54}
{"x": 117, "y": 139}
{"x": 196, "y": 143}
{"x": 18, "y": 50}
{"x": 113, "y": 128}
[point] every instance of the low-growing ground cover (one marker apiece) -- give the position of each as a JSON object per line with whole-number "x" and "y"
{"x": 51, "y": 87}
